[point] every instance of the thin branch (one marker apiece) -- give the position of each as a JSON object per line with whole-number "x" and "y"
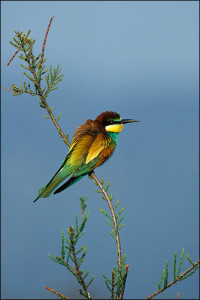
{"x": 76, "y": 264}
{"x": 44, "y": 43}
{"x": 46, "y": 105}
{"x": 70, "y": 267}
{"x": 124, "y": 281}
{"x": 175, "y": 281}
{"x": 113, "y": 217}
{"x": 55, "y": 122}
{"x": 13, "y": 56}
{"x": 57, "y": 294}
{"x": 31, "y": 93}
{"x": 7, "y": 89}
{"x": 58, "y": 257}
{"x": 113, "y": 284}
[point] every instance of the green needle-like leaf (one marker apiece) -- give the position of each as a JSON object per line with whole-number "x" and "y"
{"x": 120, "y": 212}
{"x": 174, "y": 269}
{"x": 180, "y": 263}
{"x": 120, "y": 220}
{"x": 98, "y": 191}
{"x": 86, "y": 274}
{"x": 160, "y": 282}
{"x": 166, "y": 276}
{"x": 14, "y": 45}
{"x": 102, "y": 181}
{"x": 121, "y": 226}
{"x": 192, "y": 272}
{"x": 110, "y": 223}
{"x": 105, "y": 213}
{"x": 189, "y": 259}
{"x": 62, "y": 246}
{"x": 24, "y": 67}
{"x": 58, "y": 117}
{"x": 29, "y": 77}
{"x": 107, "y": 186}
{"x": 90, "y": 281}
{"x": 116, "y": 204}
{"x": 113, "y": 234}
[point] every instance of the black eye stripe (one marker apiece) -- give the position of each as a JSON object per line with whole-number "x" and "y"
{"x": 111, "y": 122}
{"x": 115, "y": 122}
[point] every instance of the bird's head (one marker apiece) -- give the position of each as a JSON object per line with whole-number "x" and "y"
{"x": 112, "y": 121}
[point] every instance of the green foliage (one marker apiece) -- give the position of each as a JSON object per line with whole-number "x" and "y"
{"x": 83, "y": 202}
{"x": 192, "y": 271}
{"x": 109, "y": 219}
{"x": 71, "y": 257}
{"x": 116, "y": 285}
{"x": 35, "y": 70}
{"x": 160, "y": 282}
{"x": 174, "y": 269}
{"x": 180, "y": 263}
{"x": 176, "y": 274}
{"x": 189, "y": 259}
{"x": 189, "y": 274}
{"x": 166, "y": 275}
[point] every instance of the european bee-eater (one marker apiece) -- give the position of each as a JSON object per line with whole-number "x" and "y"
{"x": 92, "y": 144}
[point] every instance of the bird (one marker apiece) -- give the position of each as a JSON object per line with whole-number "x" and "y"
{"x": 92, "y": 144}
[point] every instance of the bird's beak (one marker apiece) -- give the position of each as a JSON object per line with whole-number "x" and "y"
{"x": 124, "y": 121}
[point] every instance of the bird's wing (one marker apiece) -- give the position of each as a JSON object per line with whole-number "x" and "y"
{"x": 86, "y": 152}
{"x": 97, "y": 146}
{"x": 79, "y": 151}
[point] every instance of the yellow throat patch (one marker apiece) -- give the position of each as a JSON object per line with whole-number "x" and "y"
{"x": 114, "y": 128}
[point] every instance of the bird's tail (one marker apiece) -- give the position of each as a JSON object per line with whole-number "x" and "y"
{"x": 62, "y": 173}
{"x": 71, "y": 181}
{"x": 48, "y": 189}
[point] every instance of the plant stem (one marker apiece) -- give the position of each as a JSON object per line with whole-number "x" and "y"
{"x": 44, "y": 43}
{"x": 13, "y": 57}
{"x": 113, "y": 284}
{"x": 175, "y": 281}
{"x": 58, "y": 257}
{"x": 46, "y": 105}
{"x": 7, "y": 89}
{"x": 124, "y": 283}
{"x": 76, "y": 264}
{"x": 113, "y": 217}
{"x": 58, "y": 294}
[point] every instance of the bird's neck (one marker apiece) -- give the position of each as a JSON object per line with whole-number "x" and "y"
{"x": 113, "y": 136}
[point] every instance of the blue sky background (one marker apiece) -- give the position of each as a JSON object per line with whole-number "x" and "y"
{"x": 140, "y": 59}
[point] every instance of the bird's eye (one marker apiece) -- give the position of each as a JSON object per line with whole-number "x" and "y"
{"x": 112, "y": 122}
